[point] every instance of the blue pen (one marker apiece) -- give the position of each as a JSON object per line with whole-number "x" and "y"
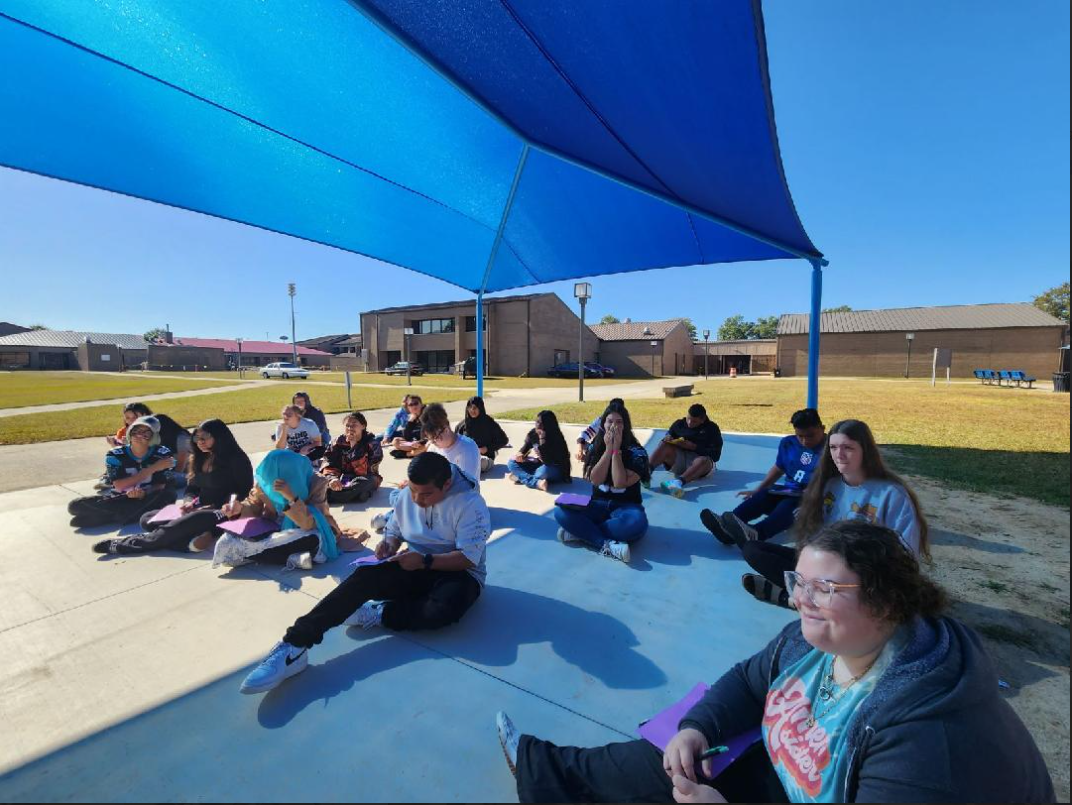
{"x": 714, "y": 750}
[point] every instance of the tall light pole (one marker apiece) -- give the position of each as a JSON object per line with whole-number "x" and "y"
{"x": 583, "y": 292}
{"x": 406, "y": 333}
{"x": 239, "y": 342}
{"x": 706, "y": 335}
{"x": 291, "y": 292}
{"x": 908, "y": 362}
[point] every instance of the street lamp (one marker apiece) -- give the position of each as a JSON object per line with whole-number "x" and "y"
{"x": 406, "y": 333}
{"x": 908, "y": 337}
{"x": 706, "y": 335}
{"x": 654, "y": 344}
{"x": 291, "y": 292}
{"x": 239, "y": 342}
{"x": 583, "y": 292}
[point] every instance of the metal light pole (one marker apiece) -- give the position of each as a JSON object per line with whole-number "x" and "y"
{"x": 291, "y": 291}
{"x": 654, "y": 344}
{"x": 239, "y": 342}
{"x": 406, "y": 333}
{"x": 908, "y": 362}
{"x": 706, "y": 335}
{"x": 583, "y": 292}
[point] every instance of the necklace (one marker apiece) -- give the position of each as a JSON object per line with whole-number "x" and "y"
{"x": 826, "y": 691}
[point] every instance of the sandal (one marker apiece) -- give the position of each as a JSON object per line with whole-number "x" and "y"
{"x": 764, "y": 590}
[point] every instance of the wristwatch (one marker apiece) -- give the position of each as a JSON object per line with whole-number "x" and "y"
{"x": 428, "y": 559}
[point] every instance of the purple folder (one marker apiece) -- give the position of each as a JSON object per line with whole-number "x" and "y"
{"x": 660, "y": 728}
{"x": 168, "y": 513}
{"x": 249, "y": 527}
{"x": 367, "y": 561}
{"x": 571, "y": 499}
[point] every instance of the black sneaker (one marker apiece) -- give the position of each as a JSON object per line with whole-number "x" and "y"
{"x": 738, "y": 530}
{"x": 714, "y": 525}
{"x": 106, "y": 546}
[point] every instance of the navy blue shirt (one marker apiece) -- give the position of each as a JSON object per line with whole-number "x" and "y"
{"x": 796, "y": 462}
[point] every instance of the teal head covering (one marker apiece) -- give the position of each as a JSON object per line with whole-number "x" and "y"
{"x": 297, "y": 471}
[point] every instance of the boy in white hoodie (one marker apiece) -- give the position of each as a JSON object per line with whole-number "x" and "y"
{"x": 432, "y": 583}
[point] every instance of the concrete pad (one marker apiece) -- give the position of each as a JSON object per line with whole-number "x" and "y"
{"x": 122, "y": 674}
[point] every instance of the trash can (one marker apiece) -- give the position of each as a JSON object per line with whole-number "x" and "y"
{"x": 1060, "y": 381}
{"x": 777, "y": 371}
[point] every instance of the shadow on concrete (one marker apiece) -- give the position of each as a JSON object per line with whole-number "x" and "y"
{"x": 939, "y": 537}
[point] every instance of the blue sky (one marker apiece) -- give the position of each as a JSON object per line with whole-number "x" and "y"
{"x": 926, "y": 147}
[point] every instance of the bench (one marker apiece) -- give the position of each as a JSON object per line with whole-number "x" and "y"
{"x": 1005, "y": 375}
{"x": 678, "y": 391}
{"x": 1020, "y": 377}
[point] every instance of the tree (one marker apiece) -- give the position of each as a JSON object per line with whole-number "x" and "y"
{"x": 610, "y": 319}
{"x": 157, "y": 333}
{"x": 838, "y": 309}
{"x": 38, "y": 327}
{"x": 766, "y": 327}
{"x": 691, "y": 328}
{"x": 1054, "y": 301}
{"x": 735, "y": 328}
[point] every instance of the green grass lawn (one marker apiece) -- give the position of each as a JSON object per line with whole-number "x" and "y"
{"x": 1009, "y": 441}
{"x": 231, "y": 406}
{"x": 422, "y": 381}
{"x": 20, "y": 389}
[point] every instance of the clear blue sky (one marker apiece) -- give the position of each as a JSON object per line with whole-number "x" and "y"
{"x": 926, "y": 146}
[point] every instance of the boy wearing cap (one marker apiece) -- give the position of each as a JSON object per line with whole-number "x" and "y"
{"x": 136, "y": 474}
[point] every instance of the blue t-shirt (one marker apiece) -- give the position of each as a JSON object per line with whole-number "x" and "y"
{"x": 796, "y": 462}
{"x": 811, "y": 761}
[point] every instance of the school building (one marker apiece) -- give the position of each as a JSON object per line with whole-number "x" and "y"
{"x": 899, "y": 341}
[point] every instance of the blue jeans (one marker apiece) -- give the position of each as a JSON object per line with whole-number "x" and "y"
{"x": 530, "y": 472}
{"x": 601, "y": 520}
{"x": 780, "y": 510}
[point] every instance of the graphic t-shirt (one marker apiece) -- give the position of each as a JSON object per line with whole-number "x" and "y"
{"x": 361, "y": 460}
{"x": 811, "y": 761}
{"x": 463, "y": 454}
{"x": 300, "y": 437}
{"x": 120, "y": 462}
{"x": 875, "y": 501}
{"x": 797, "y": 462}
{"x": 634, "y": 459}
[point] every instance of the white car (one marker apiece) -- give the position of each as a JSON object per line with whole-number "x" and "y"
{"x": 284, "y": 370}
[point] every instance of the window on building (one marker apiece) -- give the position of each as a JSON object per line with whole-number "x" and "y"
{"x": 429, "y": 326}
{"x": 435, "y": 360}
{"x": 470, "y": 323}
{"x": 15, "y": 360}
{"x": 561, "y": 356}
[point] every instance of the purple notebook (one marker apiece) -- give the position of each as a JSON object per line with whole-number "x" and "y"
{"x": 167, "y": 514}
{"x": 249, "y": 527}
{"x": 367, "y": 561}
{"x": 571, "y": 499}
{"x": 660, "y": 728}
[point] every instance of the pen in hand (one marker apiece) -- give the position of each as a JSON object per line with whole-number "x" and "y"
{"x": 714, "y": 750}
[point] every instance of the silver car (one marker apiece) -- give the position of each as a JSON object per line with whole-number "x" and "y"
{"x": 284, "y": 369}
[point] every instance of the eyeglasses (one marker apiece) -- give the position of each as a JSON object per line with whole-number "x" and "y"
{"x": 413, "y": 405}
{"x": 141, "y": 433}
{"x": 819, "y": 591}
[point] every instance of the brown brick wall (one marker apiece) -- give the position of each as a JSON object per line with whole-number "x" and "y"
{"x": 1032, "y": 349}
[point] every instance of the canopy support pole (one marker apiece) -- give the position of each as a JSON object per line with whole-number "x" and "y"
{"x": 491, "y": 263}
{"x": 813, "y": 332}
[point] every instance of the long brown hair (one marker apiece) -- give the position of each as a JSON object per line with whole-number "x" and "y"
{"x": 809, "y": 518}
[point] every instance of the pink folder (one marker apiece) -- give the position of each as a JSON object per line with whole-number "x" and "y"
{"x": 167, "y": 514}
{"x": 249, "y": 527}
{"x": 571, "y": 499}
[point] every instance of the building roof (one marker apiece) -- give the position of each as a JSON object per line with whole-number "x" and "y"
{"x": 438, "y": 305}
{"x": 352, "y": 341}
{"x": 249, "y": 347}
{"x": 634, "y": 330}
{"x": 907, "y": 319}
{"x": 330, "y": 340}
{"x": 7, "y": 328}
{"x": 70, "y": 339}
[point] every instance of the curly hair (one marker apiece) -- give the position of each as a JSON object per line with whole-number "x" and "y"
{"x": 892, "y": 586}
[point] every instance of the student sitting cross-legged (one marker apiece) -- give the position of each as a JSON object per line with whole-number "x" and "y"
{"x": 482, "y": 428}
{"x": 136, "y": 475}
{"x": 352, "y": 464}
{"x": 871, "y": 696}
{"x": 218, "y": 471}
{"x": 589, "y": 434}
{"x": 771, "y": 504}
{"x": 432, "y": 583}
{"x": 690, "y": 449}
{"x": 298, "y": 433}
{"x": 851, "y": 483}
{"x": 544, "y": 458}
{"x": 617, "y": 465}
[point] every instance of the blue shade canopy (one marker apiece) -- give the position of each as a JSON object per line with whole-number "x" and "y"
{"x": 584, "y": 138}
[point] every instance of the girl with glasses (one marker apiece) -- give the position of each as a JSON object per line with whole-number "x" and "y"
{"x": 871, "y": 695}
{"x": 404, "y": 437}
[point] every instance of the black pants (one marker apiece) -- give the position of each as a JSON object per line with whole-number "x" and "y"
{"x": 171, "y": 536}
{"x": 416, "y": 599}
{"x": 770, "y": 561}
{"x": 119, "y": 510}
{"x": 630, "y": 772}
{"x": 357, "y": 492}
{"x": 279, "y": 554}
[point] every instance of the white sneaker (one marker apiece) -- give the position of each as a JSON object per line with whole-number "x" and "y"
{"x": 674, "y": 487}
{"x": 379, "y": 521}
{"x": 367, "y": 616}
{"x": 616, "y": 550}
{"x": 509, "y": 739}
{"x": 486, "y": 464}
{"x": 566, "y": 538}
{"x": 283, "y": 661}
{"x": 300, "y": 561}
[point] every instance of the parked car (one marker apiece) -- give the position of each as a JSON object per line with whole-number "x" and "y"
{"x": 284, "y": 370}
{"x": 400, "y": 368}
{"x": 570, "y": 370}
